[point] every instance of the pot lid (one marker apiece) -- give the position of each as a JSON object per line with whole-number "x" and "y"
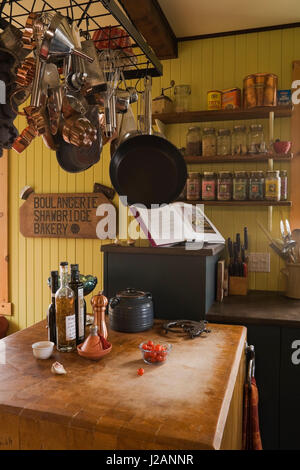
{"x": 131, "y": 293}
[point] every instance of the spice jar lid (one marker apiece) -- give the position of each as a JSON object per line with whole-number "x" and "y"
{"x": 273, "y": 173}
{"x": 257, "y": 174}
{"x": 214, "y": 91}
{"x": 239, "y": 128}
{"x": 225, "y": 174}
{"x": 256, "y": 127}
{"x": 193, "y": 174}
{"x": 209, "y": 173}
{"x": 194, "y": 128}
{"x": 283, "y": 173}
{"x": 224, "y": 132}
{"x": 240, "y": 174}
{"x": 209, "y": 130}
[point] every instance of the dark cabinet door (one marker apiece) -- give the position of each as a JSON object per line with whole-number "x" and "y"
{"x": 266, "y": 340}
{"x": 290, "y": 389}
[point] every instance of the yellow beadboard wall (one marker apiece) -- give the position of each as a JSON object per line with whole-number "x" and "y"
{"x": 205, "y": 64}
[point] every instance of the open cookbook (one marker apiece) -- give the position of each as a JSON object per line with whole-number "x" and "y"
{"x": 176, "y": 223}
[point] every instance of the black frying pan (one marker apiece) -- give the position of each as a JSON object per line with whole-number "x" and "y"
{"x": 148, "y": 169}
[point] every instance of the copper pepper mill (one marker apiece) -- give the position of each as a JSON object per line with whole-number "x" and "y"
{"x": 99, "y": 303}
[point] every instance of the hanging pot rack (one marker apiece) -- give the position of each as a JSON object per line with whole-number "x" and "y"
{"x": 89, "y": 16}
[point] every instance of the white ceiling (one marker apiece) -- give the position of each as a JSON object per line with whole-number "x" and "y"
{"x": 197, "y": 17}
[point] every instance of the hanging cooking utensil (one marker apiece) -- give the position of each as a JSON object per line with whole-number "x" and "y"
{"x": 75, "y": 159}
{"x": 147, "y": 168}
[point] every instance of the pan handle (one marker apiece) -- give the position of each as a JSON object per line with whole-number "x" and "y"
{"x": 148, "y": 105}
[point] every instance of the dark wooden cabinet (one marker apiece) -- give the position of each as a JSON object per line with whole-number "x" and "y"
{"x": 182, "y": 282}
{"x": 266, "y": 340}
{"x": 290, "y": 389}
{"x": 273, "y": 327}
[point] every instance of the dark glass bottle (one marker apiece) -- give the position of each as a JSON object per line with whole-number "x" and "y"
{"x": 77, "y": 287}
{"x": 51, "y": 320}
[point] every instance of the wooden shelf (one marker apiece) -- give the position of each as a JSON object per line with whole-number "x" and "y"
{"x": 223, "y": 115}
{"x": 241, "y": 203}
{"x": 251, "y": 158}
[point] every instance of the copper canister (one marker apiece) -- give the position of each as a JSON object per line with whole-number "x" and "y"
{"x": 260, "y": 89}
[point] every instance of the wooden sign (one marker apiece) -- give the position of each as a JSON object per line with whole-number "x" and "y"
{"x": 70, "y": 215}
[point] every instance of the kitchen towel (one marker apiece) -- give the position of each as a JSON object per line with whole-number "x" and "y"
{"x": 251, "y": 432}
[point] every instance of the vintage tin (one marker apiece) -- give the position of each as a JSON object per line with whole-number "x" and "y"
{"x": 214, "y": 99}
{"x": 284, "y": 97}
{"x": 260, "y": 89}
{"x": 231, "y": 98}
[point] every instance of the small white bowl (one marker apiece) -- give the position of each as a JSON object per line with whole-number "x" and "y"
{"x": 42, "y": 349}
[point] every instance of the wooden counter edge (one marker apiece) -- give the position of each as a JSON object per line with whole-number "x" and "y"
{"x": 230, "y": 390}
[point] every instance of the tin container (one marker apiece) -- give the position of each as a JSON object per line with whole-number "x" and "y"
{"x": 260, "y": 89}
{"x": 231, "y": 98}
{"x": 214, "y": 99}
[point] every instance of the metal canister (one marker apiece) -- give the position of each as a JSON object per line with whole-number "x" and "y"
{"x": 260, "y": 89}
{"x": 214, "y": 99}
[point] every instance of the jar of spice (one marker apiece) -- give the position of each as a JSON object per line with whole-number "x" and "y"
{"x": 256, "y": 139}
{"x": 209, "y": 186}
{"x": 209, "y": 142}
{"x": 284, "y": 185}
{"x": 193, "y": 187}
{"x": 223, "y": 142}
{"x": 224, "y": 192}
{"x": 256, "y": 186}
{"x": 272, "y": 186}
{"x": 239, "y": 140}
{"x": 240, "y": 186}
{"x": 193, "y": 141}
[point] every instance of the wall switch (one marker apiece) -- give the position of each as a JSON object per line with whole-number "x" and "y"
{"x": 259, "y": 262}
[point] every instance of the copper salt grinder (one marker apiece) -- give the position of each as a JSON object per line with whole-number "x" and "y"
{"x": 99, "y": 303}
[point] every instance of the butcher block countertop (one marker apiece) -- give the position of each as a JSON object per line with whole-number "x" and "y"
{"x": 182, "y": 404}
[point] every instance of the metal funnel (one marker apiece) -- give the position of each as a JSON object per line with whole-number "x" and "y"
{"x": 59, "y": 41}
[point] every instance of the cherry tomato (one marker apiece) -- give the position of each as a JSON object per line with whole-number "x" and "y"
{"x": 147, "y": 355}
{"x": 150, "y": 343}
{"x": 158, "y": 348}
{"x": 140, "y": 371}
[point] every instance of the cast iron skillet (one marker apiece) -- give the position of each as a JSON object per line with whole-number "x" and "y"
{"x": 148, "y": 169}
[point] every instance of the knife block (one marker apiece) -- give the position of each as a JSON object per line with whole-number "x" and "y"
{"x": 238, "y": 285}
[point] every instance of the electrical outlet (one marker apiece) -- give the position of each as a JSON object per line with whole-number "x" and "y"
{"x": 259, "y": 262}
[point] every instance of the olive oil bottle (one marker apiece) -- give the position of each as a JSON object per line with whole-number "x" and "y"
{"x": 65, "y": 313}
{"x": 77, "y": 287}
{"x": 51, "y": 320}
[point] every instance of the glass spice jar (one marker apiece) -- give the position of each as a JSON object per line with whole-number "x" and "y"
{"x": 240, "y": 186}
{"x": 272, "y": 186}
{"x": 256, "y": 186}
{"x": 193, "y": 141}
{"x": 209, "y": 186}
{"x": 182, "y": 93}
{"x": 223, "y": 142}
{"x": 284, "y": 185}
{"x": 239, "y": 140}
{"x": 256, "y": 139}
{"x": 224, "y": 191}
{"x": 193, "y": 187}
{"x": 209, "y": 142}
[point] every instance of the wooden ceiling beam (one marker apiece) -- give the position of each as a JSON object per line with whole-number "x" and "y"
{"x": 149, "y": 19}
